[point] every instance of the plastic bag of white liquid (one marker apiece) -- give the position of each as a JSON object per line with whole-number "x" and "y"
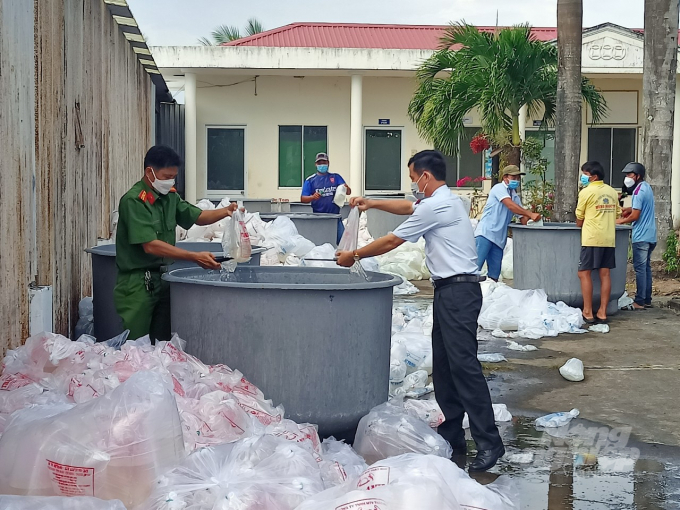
{"x": 350, "y": 237}
{"x": 416, "y": 482}
{"x": 261, "y": 472}
{"x": 572, "y": 370}
{"x": 427, "y": 410}
{"x": 112, "y": 447}
{"x": 325, "y": 251}
{"x": 235, "y": 240}
{"x": 388, "y": 430}
{"x": 340, "y": 195}
{"x": 556, "y": 419}
{"x": 58, "y": 503}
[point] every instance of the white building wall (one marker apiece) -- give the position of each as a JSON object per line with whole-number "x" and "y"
{"x": 280, "y": 100}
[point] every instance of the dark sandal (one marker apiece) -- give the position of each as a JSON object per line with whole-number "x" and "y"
{"x": 587, "y": 320}
{"x": 601, "y": 321}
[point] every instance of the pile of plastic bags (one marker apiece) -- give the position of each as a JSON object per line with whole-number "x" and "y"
{"x": 526, "y": 311}
{"x": 413, "y": 481}
{"x": 155, "y": 428}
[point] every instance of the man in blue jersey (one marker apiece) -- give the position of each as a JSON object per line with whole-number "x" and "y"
{"x": 319, "y": 190}
{"x": 642, "y": 216}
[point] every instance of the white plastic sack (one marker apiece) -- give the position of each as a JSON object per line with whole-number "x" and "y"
{"x": 572, "y": 370}
{"x": 340, "y": 195}
{"x": 507, "y": 262}
{"x": 340, "y": 462}
{"x": 235, "y": 240}
{"x": 500, "y": 415}
{"x": 254, "y": 473}
{"x": 113, "y": 447}
{"x": 58, "y": 503}
{"x": 325, "y": 251}
{"x": 415, "y": 482}
{"x": 427, "y": 410}
{"x": 388, "y": 430}
{"x": 350, "y": 237}
{"x": 556, "y": 419}
{"x": 491, "y": 357}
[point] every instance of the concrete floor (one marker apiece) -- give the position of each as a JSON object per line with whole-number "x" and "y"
{"x": 629, "y": 400}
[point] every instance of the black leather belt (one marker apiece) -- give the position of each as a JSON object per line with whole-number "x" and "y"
{"x": 461, "y": 278}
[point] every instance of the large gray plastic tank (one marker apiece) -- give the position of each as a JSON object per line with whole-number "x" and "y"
{"x": 316, "y": 340}
{"x": 299, "y": 207}
{"x": 547, "y": 258}
{"x": 318, "y": 228}
{"x": 107, "y": 322}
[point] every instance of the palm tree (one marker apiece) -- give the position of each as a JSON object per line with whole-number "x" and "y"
{"x": 226, "y": 33}
{"x": 658, "y": 105}
{"x": 568, "y": 112}
{"x": 497, "y": 73}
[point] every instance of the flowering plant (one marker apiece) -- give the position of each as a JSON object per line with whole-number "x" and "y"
{"x": 479, "y": 143}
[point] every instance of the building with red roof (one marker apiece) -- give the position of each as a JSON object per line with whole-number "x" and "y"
{"x": 258, "y": 108}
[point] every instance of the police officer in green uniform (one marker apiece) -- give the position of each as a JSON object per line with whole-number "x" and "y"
{"x": 145, "y": 242}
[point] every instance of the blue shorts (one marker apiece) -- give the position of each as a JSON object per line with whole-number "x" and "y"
{"x": 490, "y": 253}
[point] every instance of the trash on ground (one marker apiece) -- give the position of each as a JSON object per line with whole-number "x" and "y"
{"x": 410, "y": 481}
{"x": 599, "y": 328}
{"x": 499, "y": 333}
{"x": 572, "y": 370}
{"x": 626, "y": 302}
{"x": 520, "y": 458}
{"x": 85, "y": 324}
{"x": 556, "y": 419}
{"x": 528, "y": 312}
{"x": 500, "y": 415}
{"x": 514, "y": 346}
{"x": 389, "y": 430}
{"x": 494, "y": 357}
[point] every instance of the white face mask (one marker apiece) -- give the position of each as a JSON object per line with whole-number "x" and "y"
{"x": 163, "y": 187}
{"x": 629, "y": 182}
{"x": 416, "y": 192}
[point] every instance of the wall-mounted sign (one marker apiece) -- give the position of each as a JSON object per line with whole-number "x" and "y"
{"x": 383, "y": 122}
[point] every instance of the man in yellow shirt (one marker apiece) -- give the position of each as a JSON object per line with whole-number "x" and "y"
{"x": 596, "y": 214}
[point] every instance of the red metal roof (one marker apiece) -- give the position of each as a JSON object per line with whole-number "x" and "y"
{"x": 350, "y": 35}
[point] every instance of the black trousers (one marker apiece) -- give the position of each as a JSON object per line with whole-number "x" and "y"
{"x": 459, "y": 383}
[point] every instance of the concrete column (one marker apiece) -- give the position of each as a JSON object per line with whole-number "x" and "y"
{"x": 356, "y": 125}
{"x": 190, "y": 137}
{"x": 675, "y": 164}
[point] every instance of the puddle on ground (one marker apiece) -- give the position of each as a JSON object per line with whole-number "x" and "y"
{"x": 581, "y": 466}
{"x": 586, "y": 466}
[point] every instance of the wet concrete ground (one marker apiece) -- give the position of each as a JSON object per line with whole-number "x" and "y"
{"x": 623, "y": 452}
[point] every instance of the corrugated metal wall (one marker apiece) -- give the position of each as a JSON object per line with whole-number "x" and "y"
{"x": 171, "y": 133}
{"x": 92, "y": 128}
{"x": 17, "y": 166}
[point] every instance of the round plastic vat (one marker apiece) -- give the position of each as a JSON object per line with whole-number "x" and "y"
{"x": 316, "y": 340}
{"x": 107, "y": 322}
{"x": 547, "y": 258}
{"x": 318, "y": 228}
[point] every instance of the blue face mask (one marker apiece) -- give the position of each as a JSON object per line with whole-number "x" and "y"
{"x": 513, "y": 184}
{"x": 322, "y": 168}
{"x": 585, "y": 180}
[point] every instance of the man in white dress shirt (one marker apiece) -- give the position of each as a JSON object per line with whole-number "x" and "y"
{"x": 451, "y": 256}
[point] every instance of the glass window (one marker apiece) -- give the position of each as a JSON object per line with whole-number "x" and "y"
{"x": 547, "y": 138}
{"x": 226, "y": 159}
{"x": 466, "y": 163}
{"x": 290, "y": 156}
{"x": 298, "y": 147}
{"x": 383, "y": 159}
{"x": 613, "y": 148}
